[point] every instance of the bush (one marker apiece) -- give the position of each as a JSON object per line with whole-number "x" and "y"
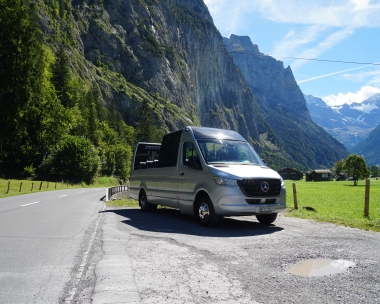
{"x": 75, "y": 157}
{"x": 28, "y": 171}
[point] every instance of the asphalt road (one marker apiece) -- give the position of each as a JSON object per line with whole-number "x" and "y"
{"x": 44, "y": 239}
{"x": 62, "y": 247}
{"x": 175, "y": 260}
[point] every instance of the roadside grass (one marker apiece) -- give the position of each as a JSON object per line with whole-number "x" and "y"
{"x": 124, "y": 202}
{"x": 18, "y": 187}
{"x": 128, "y": 202}
{"x": 341, "y": 203}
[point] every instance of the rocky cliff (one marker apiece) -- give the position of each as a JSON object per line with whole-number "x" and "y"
{"x": 284, "y": 107}
{"x": 170, "y": 54}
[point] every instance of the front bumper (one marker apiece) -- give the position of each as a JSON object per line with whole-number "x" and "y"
{"x": 238, "y": 205}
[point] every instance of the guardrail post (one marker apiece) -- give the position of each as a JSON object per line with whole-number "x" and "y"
{"x": 295, "y": 196}
{"x": 9, "y": 186}
{"x": 366, "y": 198}
{"x": 20, "y": 187}
{"x": 40, "y": 185}
{"x": 32, "y": 186}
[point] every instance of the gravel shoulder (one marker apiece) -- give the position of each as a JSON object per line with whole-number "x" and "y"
{"x": 175, "y": 260}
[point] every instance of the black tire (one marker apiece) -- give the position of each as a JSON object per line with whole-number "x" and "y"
{"x": 144, "y": 204}
{"x": 266, "y": 219}
{"x": 205, "y": 213}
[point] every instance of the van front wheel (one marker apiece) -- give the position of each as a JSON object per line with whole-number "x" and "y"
{"x": 206, "y": 214}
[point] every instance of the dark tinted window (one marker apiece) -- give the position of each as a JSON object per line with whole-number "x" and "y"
{"x": 169, "y": 149}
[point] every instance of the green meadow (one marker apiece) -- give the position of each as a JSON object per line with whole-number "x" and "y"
{"x": 336, "y": 202}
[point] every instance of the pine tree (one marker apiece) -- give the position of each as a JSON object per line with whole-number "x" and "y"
{"x": 61, "y": 77}
{"x": 20, "y": 73}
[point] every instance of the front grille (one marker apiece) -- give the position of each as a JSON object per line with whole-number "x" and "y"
{"x": 257, "y": 201}
{"x": 256, "y": 187}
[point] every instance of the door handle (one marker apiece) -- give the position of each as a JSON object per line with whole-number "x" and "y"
{"x": 181, "y": 173}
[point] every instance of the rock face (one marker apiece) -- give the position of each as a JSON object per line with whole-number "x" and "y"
{"x": 284, "y": 107}
{"x": 167, "y": 49}
{"x": 350, "y": 124}
{"x": 170, "y": 54}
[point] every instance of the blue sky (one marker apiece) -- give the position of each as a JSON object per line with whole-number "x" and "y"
{"x": 334, "y": 30}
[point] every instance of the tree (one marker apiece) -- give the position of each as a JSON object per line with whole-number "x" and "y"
{"x": 338, "y": 167}
{"x": 356, "y": 167}
{"x": 375, "y": 170}
{"x": 61, "y": 77}
{"x": 21, "y": 68}
{"x": 145, "y": 129}
{"x": 75, "y": 157}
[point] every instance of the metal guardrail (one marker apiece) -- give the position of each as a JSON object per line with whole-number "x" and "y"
{"x": 116, "y": 192}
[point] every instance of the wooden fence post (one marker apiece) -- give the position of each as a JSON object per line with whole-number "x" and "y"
{"x": 40, "y": 185}
{"x": 55, "y": 187}
{"x": 366, "y": 198}
{"x": 9, "y": 186}
{"x": 48, "y": 185}
{"x": 20, "y": 187}
{"x": 32, "y": 186}
{"x": 295, "y": 196}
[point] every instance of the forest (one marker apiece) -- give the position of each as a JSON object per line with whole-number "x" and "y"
{"x": 55, "y": 124}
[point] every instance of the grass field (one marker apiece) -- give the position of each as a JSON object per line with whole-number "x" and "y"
{"x": 336, "y": 202}
{"x": 18, "y": 187}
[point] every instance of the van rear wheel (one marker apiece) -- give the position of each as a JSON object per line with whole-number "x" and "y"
{"x": 206, "y": 214}
{"x": 144, "y": 204}
{"x": 266, "y": 219}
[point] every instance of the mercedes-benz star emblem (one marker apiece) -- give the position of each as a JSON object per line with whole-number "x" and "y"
{"x": 265, "y": 186}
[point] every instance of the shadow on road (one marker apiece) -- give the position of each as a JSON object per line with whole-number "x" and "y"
{"x": 172, "y": 221}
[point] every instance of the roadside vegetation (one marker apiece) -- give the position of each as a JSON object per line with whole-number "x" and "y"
{"x": 338, "y": 202}
{"x": 124, "y": 202}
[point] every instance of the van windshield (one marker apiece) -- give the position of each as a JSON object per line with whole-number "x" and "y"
{"x": 223, "y": 151}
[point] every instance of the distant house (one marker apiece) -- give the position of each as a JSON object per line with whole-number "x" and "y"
{"x": 319, "y": 175}
{"x": 291, "y": 174}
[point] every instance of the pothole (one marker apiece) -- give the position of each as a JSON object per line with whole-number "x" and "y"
{"x": 318, "y": 268}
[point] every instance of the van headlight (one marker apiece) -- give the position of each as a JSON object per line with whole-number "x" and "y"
{"x": 222, "y": 181}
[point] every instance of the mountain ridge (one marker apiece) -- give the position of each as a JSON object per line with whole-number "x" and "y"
{"x": 283, "y": 106}
{"x": 171, "y": 55}
{"x": 350, "y": 124}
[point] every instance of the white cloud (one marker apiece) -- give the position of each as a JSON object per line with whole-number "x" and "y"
{"x": 341, "y": 17}
{"x": 371, "y": 77}
{"x": 339, "y": 13}
{"x": 366, "y": 108}
{"x": 315, "y": 51}
{"x": 332, "y": 74}
{"x": 349, "y": 98}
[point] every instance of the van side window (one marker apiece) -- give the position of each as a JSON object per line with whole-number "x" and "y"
{"x": 190, "y": 156}
{"x": 169, "y": 149}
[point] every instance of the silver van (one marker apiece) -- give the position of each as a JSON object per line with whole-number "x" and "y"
{"x": 208, "y": 173}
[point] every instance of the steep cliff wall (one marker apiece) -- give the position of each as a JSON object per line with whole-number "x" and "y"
{"x": 171, "y": 53}
{"x": 284, "y": 107}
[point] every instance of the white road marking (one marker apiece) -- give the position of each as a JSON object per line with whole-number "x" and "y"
{"x": 29, "y": 204}
{"x": 62, "y": 195}
{"x": 81, "y": 192}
